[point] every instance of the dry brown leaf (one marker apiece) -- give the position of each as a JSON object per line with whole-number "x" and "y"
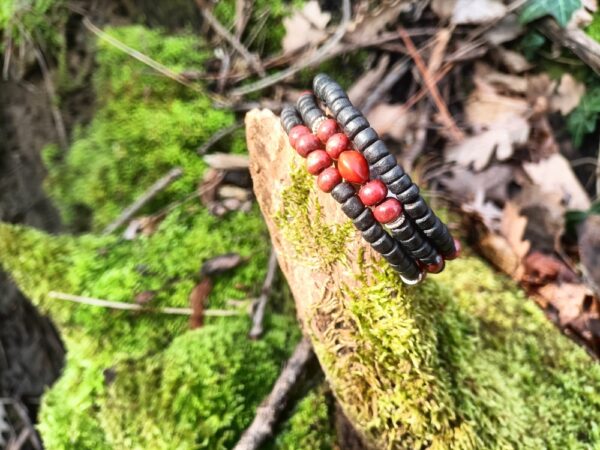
{"x": 475, "y": 12}
{"x": 485, "y": 107}
{"x": 220, "y": 263}
{"x": 554, "y": 175}
{"x": 197, "y": 300}
{"x": 589, "y": 251}
{"x": 498, "y": 251}
{"x": 515, "y": 62}
{"x": 506, "y": 30}
{"x": 390, "y": 120}
{"x": 305, "y": 27}
{"x": 226, "y": 161}
{"x": 568, "y": 95}
{"x": 362, "y": 88}
{"x": 512, "y": 227}
{"x": 493, "y": 182}
{"x": 373, "y": 21}
{"x": 542, "y": 268}
{"x": 567, "y": 298}
{"x": 443, "y": 8}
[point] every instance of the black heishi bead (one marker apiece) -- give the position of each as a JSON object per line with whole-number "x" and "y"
{"x": 330, "y": 87}
{"x": 383, "y": 165}
{"x": 311, "y": 116}
{"x": 417, "y": 209}
{"x": 400, "y": 185}
{"x": 290, "y": 118}
{"x": 427, "y": 221}
{"x": 306, "y": 104}
{"x": 392, "y": 175}
{"x": 432, "y": 257}
{"x": 355, "y": 126}
{"x": 320, "y": 81}
{"x": 343, "y": 192}
{"x": 365, "y": 138}
{"x": 347, "y": 114}
{"x": 411, "y": 242}
{"x": 401, "y": 260}
{"x": 365, "y": 220}
{"x": 408, "y": 195}
{"x": 436, "y": 232}
{"x": 384, "y": 244}
{"x": 403, "y": 271}
{"x": 373, "y": 233}
{"x": 331, "y": 95}
{"x": 423, "y": 250}
{"x": 338, "y": 105}
{"x": 353, "y": 207}
{"x": 375, "y": 152}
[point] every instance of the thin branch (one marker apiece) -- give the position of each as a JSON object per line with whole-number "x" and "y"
{"x": 135, "y": 307}
{"x": 270, "y": 411}
{"x": 141, "y": 201}
{"x": 218, "y": 136}
{"x": 445, "y": 115}
{"x": 259, "y": 311}
{"x": 396, "y": 72}
{"x": 251, "y": 59}
{"x": 138, "y": 55}
{"x": 320, "y": 55}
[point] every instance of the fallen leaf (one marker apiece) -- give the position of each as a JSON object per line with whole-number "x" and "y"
{"x": 489, "y": 214}
{"x": 508, "y": 29}
{"x": 493, "y": 182}
{"x": 227, "y": 161}
{"x": 390, "y": 120}
{"x": 568, "y": 95}
{"x": 541, "y": 268}
{"x": 443, "y": 8}
{"x": 485, "y": 107}
{"x": 197, "y": 300}
{"x": 362, "y": 87}
{"x": 589, "y": 251}
{"x": 554, "y": 175}
{"x": 370, "y": 21}
{"x": 305, "y": 27}
{"x": 475, "y": 12}
{"x": 567, "y": 298}
{"x": 498, "y": 251}
{"x": 515, "y": 62}
{"x": 220, "y": 264}
{"x": 513, "y": 227}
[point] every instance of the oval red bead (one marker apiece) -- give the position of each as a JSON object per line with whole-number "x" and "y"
{"x": 307, "y": 143}
{"x": 328, "y": 179}
{"x": 336, "y": 144}
{"x": 353, "y": 167}
{"x": 317, "y": 161}
{"x": 328, "y": 128}
{"x": 457, "y": 249}
{"x": 373, "y": 192}
{"x": 387, "y": 211}
{"x": 296, "y": 132}
{"x": 436, "y": 267}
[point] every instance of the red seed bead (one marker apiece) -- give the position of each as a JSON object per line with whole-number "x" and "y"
{"x": 373, "y": 192}
{"x": 318, "y": 161}
{"x": 307, "y": 143}
{"x": 456, "y": 253}
{"x": 353, "y": 167}
{"x": 388, "y": 210}
{"x": 436, "y": 267}
{"x": 296, "y": 132}
{"x": 328, "y": 179}
{"x": 336, "y": 144}
{"x": 326, "y": 129}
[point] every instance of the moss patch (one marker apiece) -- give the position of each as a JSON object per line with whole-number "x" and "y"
{"x": 464, "y": 361}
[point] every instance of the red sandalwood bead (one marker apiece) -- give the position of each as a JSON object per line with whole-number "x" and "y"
{"x": 317, "y": 161}
{"x": 328, "y": 179}
{"x": 307, "y": 143}
{"x": 373, "y": 192}
{"x": 326, "y": 129}
{"x": 336, "y": 144}
{"x": 353, "y": 167}
{"x": 388, "y": 210}
{"x": 436, "y": 267}
{"x": 296, "y": 132}
{"x": 457, "y": 249}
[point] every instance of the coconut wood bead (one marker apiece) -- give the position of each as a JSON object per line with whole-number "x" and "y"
{"x": 355, "y": 126}
{"x": 347, "y": 114}
{"x": 343, "y": 192}
{"x": 375, "y": 152}
{"x": 364, "y": 138}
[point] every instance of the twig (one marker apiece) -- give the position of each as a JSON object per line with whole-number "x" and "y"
{"x": 251, "y": 59}
{"x": 28, "y": 432}
{"x": 445, "y": 115}
{"x": 270, "y": 411}
{"x": 132, "y": 209}
{"x": 396, "y": 72}
{"x": 135, "y": 307}
{"x": 243, "y": 8}
{"x": 216, "y": 137}
{"x": 420, "y": 136}
{"x": 138, "y": 55}
{"x": 259, "y": 311}
{"x": 316, "y": 58}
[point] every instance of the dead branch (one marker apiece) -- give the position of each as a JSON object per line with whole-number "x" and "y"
{"x": 135, "y": 307}
{"x": 251, "y": 59}
{"x": 218, "y": 136}
{"x": 396, "y": 72}
{"x": 586, "y": 48}
{"x": 141, "y": 201}
{"x": 259, "y": 311}
{"x": 319, "y": 56}
{"x": 269, "y": 412}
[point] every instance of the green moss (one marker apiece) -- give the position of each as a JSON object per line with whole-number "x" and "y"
{"x": 464, "y": 361}
{"x": 593, "y": 29}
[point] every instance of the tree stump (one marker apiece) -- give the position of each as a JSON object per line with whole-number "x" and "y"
{"x": 464, "y": 360}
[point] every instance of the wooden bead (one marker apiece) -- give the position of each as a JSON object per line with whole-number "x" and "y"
{"x": 437, "y": 266}
{"x": 328, "y": 179}
{"x": 365, "y": 138}
{"x": 457, "y": 250}
{"x": 353, "y": 167}
{"x": 326, "y": 129}
{"x": 373, "y": 192}
{"x": 388, "y": 210}
{"x": 296, "y": 132}
{"x": 355, "y": 126}
{"x": 307, "y": 143}
{"x": 336, "y": 144}
{"x": 343, "y": 192}
{"x": 317, "y": 161}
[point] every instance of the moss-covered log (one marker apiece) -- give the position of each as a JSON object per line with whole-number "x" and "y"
{"x": 464, "y": 361}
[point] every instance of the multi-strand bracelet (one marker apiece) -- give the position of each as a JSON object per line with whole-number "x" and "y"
{"x": 354, "y": 165}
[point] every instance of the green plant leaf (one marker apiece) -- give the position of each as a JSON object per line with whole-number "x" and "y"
{"x": 561, "y": 10}
{"x": 584, "y": 118}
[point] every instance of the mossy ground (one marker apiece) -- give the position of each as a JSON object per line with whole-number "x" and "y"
{"x": 465, "y": 361}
